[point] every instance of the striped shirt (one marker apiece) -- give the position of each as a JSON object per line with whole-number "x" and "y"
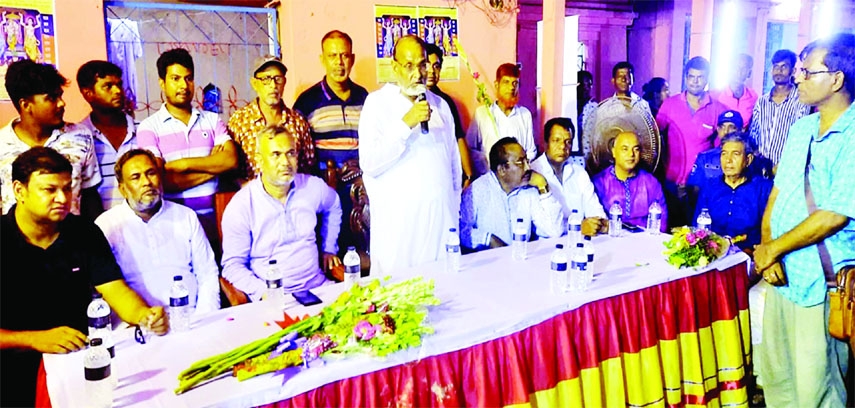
{"x": 72, "y": 141}
{"x": 334, "y": 122}
{"x": 170, "y": 139}
{"x": 771, "y": 122}
{"x": 107, "y": 157}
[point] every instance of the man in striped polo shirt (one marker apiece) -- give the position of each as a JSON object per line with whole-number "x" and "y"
{"x": 333, "y": 107}
{"x": 192, "y": 145}
{"x": 113, "y": 130}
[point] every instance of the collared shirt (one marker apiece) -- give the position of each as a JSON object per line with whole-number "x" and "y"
{"x": 245, "y": 124}
{"x": 107, "y": 157}
{"x": 574, "y": 190}
{"x": 636, "y": 103}
{"x": 491, "y": 124}
{"x": 743, "y": 105}
{"x": 72, "y": 141}
{"x": 771, "y": 122}
{"x": 707, "y": 167}
{"x": 334, "y": 122}
{"x": 151, "y": 253}
{"x": 635, "y": 195}
{"x": 258, "y": 228}
{"x": 831, "y": 178}
{"x": 413, "y": 180}
{"x": 41, "y": 289}
{"x": 459, "y": 133}
{"x": 687, "y": 133}
{"x": 170, "y": 139}
{"x": 736, "y": 211}
{"x": 487, "y": 210}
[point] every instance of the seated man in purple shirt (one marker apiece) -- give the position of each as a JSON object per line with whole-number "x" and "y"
{"x": 625, "y": 183}
{"x": 273, "y": 218}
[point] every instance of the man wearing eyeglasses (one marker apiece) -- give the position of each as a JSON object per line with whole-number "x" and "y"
{"x": 411, "y": 165}
{"x": 808, "y": 232}
{"x": 511, "y": 190}
{"x": 268, "y": 81}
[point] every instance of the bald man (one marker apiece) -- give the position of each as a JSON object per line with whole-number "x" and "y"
{"x": 411, "y": 165}
{"x": 627, "y": 184}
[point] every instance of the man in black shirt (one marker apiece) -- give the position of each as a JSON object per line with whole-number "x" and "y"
{"x": 51, "y": 261}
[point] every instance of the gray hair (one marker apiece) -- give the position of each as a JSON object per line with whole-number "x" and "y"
{"x": 739, "y": 137}
{"x": 270, "y": 131}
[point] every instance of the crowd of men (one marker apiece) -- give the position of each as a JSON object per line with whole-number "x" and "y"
{"x": 120, "y": 208}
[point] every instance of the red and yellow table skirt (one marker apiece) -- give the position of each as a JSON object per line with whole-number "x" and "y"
{"x": 681, "y": 343}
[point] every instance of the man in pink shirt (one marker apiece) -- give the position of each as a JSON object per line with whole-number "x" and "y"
{"x": 687, "y": 122}
{"x": 737, "y": 96}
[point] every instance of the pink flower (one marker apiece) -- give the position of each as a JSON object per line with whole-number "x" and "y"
{"x": 476, "y": 75}
{"x": 701, "y": 234}
{"x": 691, "y": 239}
{"x": 364, "y": 330}
{"x": 713, "y": 245}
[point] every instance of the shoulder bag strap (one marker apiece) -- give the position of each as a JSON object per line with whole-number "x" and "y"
{"x": 824, "y": 256}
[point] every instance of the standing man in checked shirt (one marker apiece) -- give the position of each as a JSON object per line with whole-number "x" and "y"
{"x": 802, "y": 366}
{"x": 777, "y": 110}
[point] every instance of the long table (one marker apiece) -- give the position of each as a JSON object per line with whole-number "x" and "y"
{"x": 643, "y": 334}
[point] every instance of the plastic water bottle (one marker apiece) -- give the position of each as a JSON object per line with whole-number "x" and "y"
{"x": 99, "y": 322}
{"x": 352, "y": 266}
{"x": 704, "y": 220}
{"x": 615, "y": 218}
{"x": 558, "y": 270}
{"x": 519, "y": 245}
{"x": 96, "y": 369}
{"x": 579, "y": 269}
{"x": 574, "y": 229}
{"x": 179, "y": 305}
{"x": 654, "y": 219}
{"x": 588, "y": 248}
{"x": 452, "y": 252}
{"x": 274, "y": 294}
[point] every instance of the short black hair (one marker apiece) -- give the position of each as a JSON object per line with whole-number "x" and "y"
{"x": 499, "y": 154}
{"x": 583, "y": 75}
{"x": 623, "y": 65}
{"x": 130, "y": 154}
{"x": 840, "y": 56}
{"x": 39, "y": 160}
{"x": 337, "y": 34}
{"x": 432, "y": 49}
{"x": 698, "y": 63}
{"x": 25, "y": 79}
{"x": 740, "y": 137}
{"x": 90, "y": 72}
{"x": 174, "y": 56}
{"x": 565, "y": 123}
{"x": 784, "y": 55}
{"x": 653, "y": 87}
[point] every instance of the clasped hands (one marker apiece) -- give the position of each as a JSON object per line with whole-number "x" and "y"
{"x": 767, "y": 262}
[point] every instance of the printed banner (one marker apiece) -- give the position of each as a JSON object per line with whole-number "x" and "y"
{"x": 438, "y": 26}
{"x": 27, "y": 27}
{"x": 392, "y": 23}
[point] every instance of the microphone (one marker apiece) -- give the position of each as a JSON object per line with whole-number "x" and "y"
{"x": 422, "y": 97}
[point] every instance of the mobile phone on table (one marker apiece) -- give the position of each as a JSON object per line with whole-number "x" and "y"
{"x": 306, "y": 298}
{"x": 632, "y": 228}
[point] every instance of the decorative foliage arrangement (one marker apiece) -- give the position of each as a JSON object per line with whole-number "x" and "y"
{"x": 371, "y": 319}
{"x": 690, "y": 248}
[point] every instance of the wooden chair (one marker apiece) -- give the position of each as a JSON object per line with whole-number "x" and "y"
{"x": 232, "y": 294}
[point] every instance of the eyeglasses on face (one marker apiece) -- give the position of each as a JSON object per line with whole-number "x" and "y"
{"x": 519, "y": 163}
{"x": 807, "y": 73}
{"x": 266, "y": 80}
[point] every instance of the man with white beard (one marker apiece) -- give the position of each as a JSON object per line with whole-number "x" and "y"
{"x": 155, "y": 240}
{"x": 411, "y": 165}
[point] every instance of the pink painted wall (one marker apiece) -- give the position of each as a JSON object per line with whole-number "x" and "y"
{"x": 303, "y": 24}
{"x": 80, "y": 37}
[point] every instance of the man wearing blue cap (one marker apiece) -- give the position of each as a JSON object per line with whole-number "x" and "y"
{"x": 708, "y": 164}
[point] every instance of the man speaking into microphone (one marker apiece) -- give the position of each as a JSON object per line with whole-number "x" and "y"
{"x": 411, "y": 165}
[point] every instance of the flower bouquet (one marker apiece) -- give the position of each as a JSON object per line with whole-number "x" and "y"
{"x": 690, "y": 248}
{"x": 370, "y": 319}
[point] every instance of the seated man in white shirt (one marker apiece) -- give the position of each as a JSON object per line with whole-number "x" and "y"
{"x": 273, "y": 218}
{"x": 503, "y": 118}
{"x": 493, "y": 203}
{"x": 154, "y": 240}
{"x": 569, "y": 182}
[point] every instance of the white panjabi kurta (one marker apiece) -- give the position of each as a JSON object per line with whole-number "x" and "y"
{"x": 413, "y": 180}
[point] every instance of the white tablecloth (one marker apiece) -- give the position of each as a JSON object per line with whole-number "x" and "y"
{"x": 492, "y": 296}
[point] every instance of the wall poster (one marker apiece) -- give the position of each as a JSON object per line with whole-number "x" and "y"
{"x": 435, "y": 25}
{"x": 27, "y": 27}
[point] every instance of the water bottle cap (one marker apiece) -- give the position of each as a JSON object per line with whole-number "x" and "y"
{"x": 351, "y": 248}
{"x": 95, "y": 342}
{"x": 452, "y": 229}
{"x": 559, "y": 246}
{"x": 574, "y": 211}
{"x": 96, "y": 295}
{"x": 579, "y": 245}
{"x": 272, "y": 262}
{"x": 519, "y": 220}
{"x": 178, "y": 278}
{"x": 704, "y": 209}
{"x": 587, "y": 237}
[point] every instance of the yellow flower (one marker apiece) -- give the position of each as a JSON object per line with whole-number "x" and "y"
{"x": 703, "y": 261}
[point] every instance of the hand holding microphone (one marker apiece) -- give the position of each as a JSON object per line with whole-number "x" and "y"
{"x": 420, "y": 112}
